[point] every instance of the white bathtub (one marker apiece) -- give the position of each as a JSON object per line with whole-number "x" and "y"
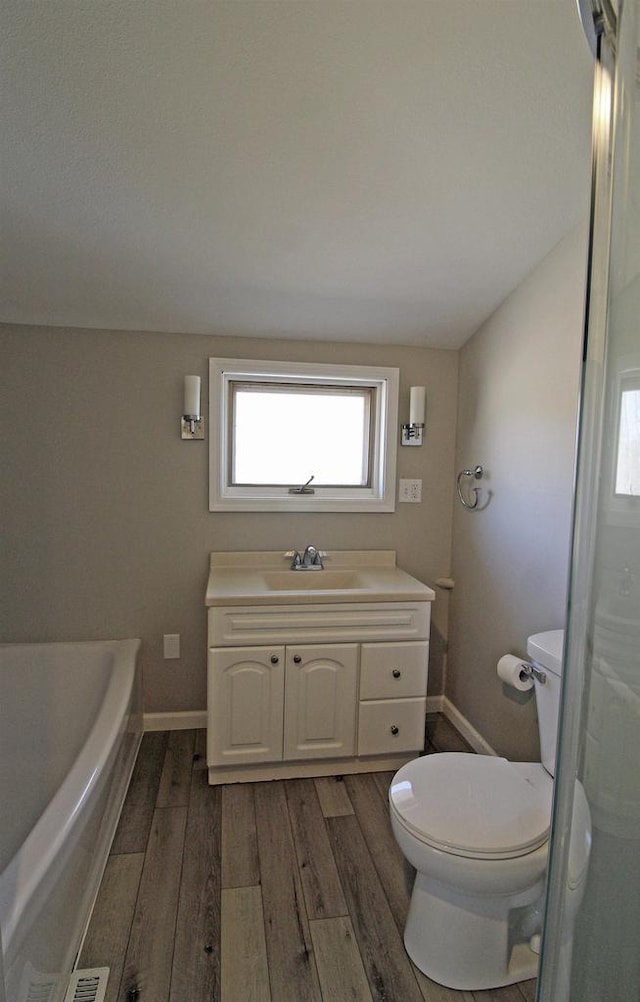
{"x": 70, "y": 727}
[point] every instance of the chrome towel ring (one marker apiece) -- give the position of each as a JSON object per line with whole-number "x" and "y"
{"x": 476, "y": 473}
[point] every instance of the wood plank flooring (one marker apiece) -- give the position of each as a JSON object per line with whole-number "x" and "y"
{"x": 287, "y": 891}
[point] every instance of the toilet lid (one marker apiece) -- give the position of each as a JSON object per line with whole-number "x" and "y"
{"x": 474, "y": 805}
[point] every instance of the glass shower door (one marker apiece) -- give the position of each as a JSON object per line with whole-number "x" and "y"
{"x": 591, "y": 942}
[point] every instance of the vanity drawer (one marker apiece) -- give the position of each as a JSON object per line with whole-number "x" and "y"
{"x": 391, "y": 671}
{"x": 239, "y": 626}
{"x": 386, "y": 726}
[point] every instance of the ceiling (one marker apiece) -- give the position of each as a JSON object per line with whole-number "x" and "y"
{"x": 368, "y": 170}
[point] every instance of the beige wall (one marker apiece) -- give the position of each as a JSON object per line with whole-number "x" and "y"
{"x": 106, "y": 528}
{"x": 518, "y": 387}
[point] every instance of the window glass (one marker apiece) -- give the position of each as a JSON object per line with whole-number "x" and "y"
{"x": 287, "y": 434}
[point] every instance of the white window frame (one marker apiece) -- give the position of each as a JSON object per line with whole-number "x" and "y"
{"x": 378, "y": 497}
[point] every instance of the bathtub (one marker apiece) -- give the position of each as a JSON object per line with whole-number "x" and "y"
{"x": 70, "y": 727}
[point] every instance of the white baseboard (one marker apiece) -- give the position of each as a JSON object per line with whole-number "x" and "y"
{"x": 469, "y": 733}
{"x": 435, "y": 704}
{"x": 194, "y": 719}
{"x": 179, "y": 721}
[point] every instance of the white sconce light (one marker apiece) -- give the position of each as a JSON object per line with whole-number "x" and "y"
{"x": 192, "y": 425}
{"x": 412, "y": 432}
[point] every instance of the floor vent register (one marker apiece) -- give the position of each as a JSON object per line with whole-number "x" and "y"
{"x": 88, "y": 985}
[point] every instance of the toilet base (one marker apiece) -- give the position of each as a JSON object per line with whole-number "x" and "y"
{"x": 467, "y": 942}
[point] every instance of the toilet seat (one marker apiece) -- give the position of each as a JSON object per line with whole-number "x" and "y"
{"x": 477, "y": 806}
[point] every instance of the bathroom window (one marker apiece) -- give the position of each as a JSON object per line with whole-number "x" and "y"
{"x": 276, "y": 427}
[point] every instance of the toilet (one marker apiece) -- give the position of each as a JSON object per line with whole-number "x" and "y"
{"x": 476, "y": 829}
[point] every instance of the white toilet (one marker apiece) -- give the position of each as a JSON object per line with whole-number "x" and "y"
{"x": 476, "y": 829}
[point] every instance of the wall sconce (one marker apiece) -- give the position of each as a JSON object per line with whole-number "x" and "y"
{"x": 412, "y": 432}
{"x": 192, "y": 423}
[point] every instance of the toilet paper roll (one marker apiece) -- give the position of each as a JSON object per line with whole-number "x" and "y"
{"x": 510, "y": 671}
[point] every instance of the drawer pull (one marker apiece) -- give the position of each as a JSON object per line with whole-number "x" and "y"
{"x": 396, "y": 673}
{"x": 274, "y": 659}
{"x": 394, "y": 729}
{"x": 297, "y": 659}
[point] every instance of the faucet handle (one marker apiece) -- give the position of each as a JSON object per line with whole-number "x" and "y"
{"x": 312, "y": 557}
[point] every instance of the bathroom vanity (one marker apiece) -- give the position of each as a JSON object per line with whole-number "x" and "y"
{"x": 314, "y": 673}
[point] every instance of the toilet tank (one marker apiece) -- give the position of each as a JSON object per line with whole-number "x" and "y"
{"x": 546, "y": 649}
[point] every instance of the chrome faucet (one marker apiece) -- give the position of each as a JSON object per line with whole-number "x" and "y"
{"x": 312, "y": 558}
{"x": 310, "y": 561}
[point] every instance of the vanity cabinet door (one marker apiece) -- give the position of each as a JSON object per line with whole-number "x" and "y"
{"x": 320, "y": 701}
{"x": 245, "y": 705}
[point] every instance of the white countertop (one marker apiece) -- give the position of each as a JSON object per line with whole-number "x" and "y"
{"x": 263, "y": 578}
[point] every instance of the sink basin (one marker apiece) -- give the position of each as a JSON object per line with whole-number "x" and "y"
{"x": 311, "y": 580}
{"x": 264, "y": 577}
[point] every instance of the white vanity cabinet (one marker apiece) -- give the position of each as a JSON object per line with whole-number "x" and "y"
{"x": 315, "y": 690}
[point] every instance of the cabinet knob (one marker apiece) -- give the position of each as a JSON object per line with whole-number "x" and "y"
{"x": 274, "y": 659}
{"x": 394, "y": 729}
{"x": 396, "y": 673}
{"x": 297, "y": 659}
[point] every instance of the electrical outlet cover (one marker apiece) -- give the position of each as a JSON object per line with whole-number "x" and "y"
{"x": 410, "y": 491}
{"x": 171, "y": 645}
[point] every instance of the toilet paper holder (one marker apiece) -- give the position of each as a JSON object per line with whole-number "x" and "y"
{"x": 530, "y": 670}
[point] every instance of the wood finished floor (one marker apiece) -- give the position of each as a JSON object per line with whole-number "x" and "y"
{"x": 288, "y": 891}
